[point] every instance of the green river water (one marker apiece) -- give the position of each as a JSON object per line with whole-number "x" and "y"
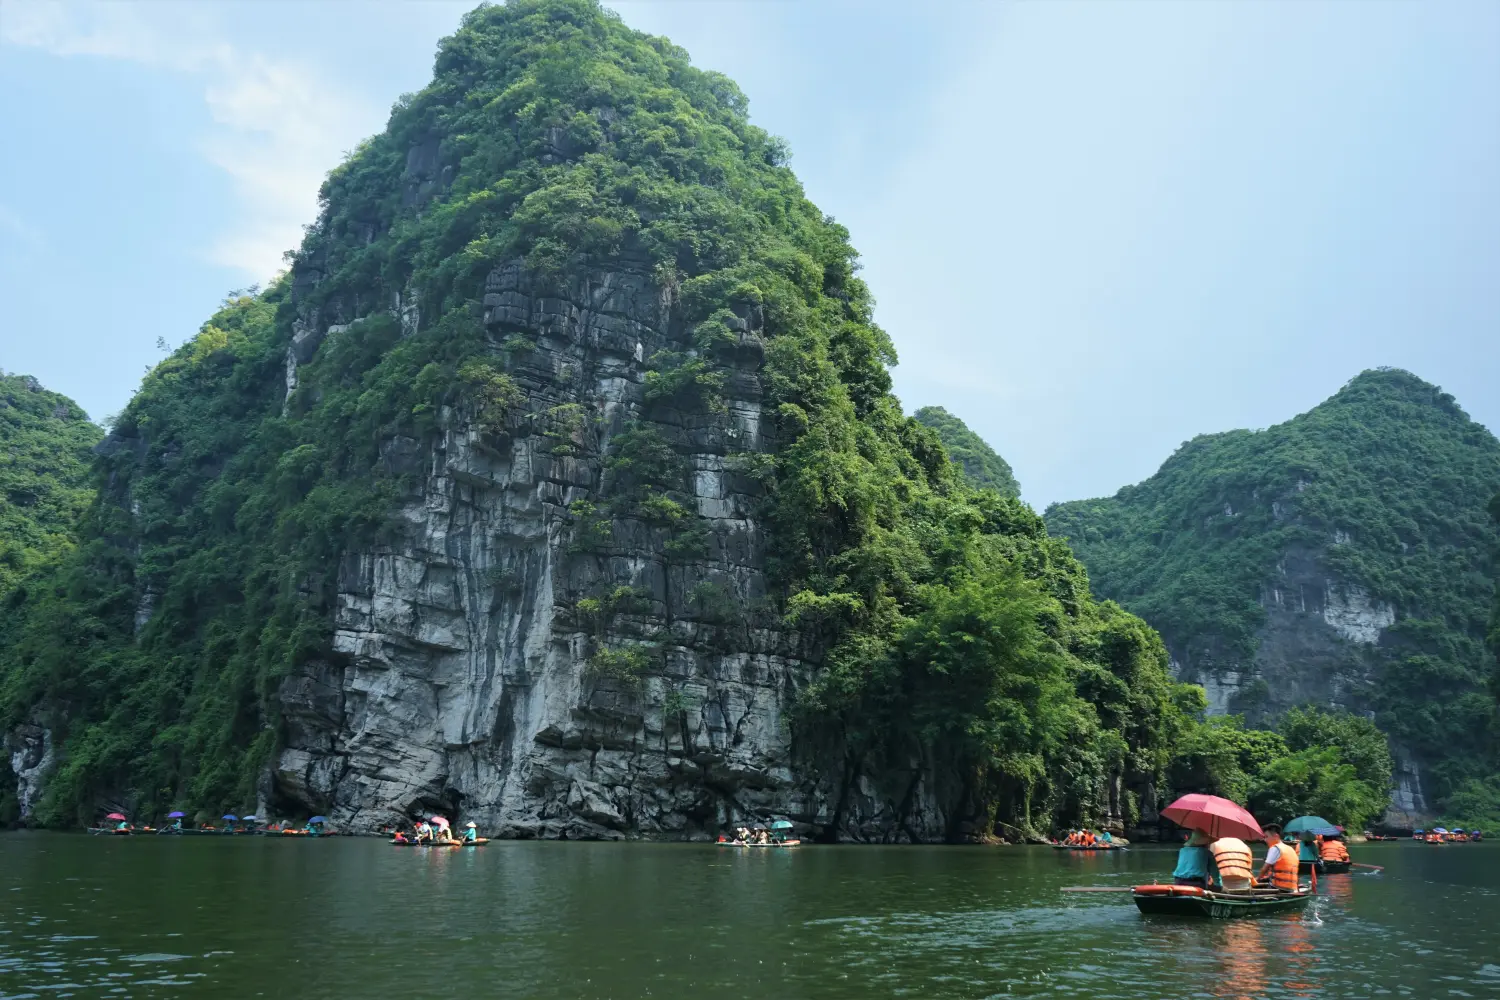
{"x": 353, "y": 917}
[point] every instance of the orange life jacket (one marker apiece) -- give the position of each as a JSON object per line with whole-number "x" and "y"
{"x": 1284, "y": 872}
{"x": 1334, "y": 850}
{"x": 1233, "y": 859}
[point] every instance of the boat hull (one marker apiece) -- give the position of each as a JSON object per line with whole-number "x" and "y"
{"x": 1218, "y": 906}
{"x": 1325, "y": 867}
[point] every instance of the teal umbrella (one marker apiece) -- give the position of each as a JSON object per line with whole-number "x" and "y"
{"x": 781, "y": 824}
{"x": 1306, "y": 824}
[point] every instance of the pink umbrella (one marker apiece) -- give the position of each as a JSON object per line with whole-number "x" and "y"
{"x": 1214, "y": 816}
{"x": 440, "y": 822}
{"x": 115, "y": 816}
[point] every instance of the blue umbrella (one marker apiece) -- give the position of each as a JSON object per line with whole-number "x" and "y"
{"x": 1419, "y": 831}
{"x": 1306, "y": 824}
{"x": 1438, "y": 829}
{"x": 1325, "y": 831}
{"x": 230, "y": 818}
{"x": 176, "y": 815}
{"x": 250, "y": 819}
{"x": 318, "y": 819}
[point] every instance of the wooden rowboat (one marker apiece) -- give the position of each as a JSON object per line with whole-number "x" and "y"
{"x": 774, "y": 843}
{"x": 458, "y": 843}
{"x": 1081, "y": 847}
{"x": 1191, "y": 901}
{"x": 1324, "y": 867}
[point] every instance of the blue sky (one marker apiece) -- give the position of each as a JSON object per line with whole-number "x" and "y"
{"x": 1093, "y": 229}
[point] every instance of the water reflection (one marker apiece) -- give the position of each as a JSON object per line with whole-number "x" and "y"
{"x": 1242, "y": 957}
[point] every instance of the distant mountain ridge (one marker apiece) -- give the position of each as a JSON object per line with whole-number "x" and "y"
{"x": 1343, "y": 557}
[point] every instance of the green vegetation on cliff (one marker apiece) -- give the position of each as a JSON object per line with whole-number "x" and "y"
{"x": 1385, "y": 487}
{"x": 958, "y": 644}
{"x": 979, "y": 461}
{"x": 45, "y": 440}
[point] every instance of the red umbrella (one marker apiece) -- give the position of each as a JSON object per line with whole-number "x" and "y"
{"x": 115, "y": 816}
{"x": 1214, "y": 816}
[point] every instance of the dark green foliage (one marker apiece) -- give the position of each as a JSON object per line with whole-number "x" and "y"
{"x": 979, "y": 461}
{"x": 1386, "y": 484}
{"x": 45, "y": 440}
{"x": 1316, "y": 782}
{"x": 1358, "y": 741}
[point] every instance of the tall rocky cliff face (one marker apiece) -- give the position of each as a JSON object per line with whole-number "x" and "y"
{"x": 463, "y": 680}
{"x": 1340, "y": 559}
{"x": 559, "y": 486}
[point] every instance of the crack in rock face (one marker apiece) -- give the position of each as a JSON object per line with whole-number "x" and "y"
{"x": 461, "y": 681}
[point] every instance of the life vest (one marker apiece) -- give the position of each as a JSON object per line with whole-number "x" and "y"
{"x": 1284, "y": 872}
{"x": 1233, "y": 859}
{"x": 1334, "y": 850}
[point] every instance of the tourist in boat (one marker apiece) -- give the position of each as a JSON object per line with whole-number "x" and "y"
{"x": 1234, "y": 863}
{"x": 399, "y": 837}
{"x": 1333, "y": 849}
{"x": 1106, "y": 839}
{"x": 1281, "y": 862}
{"x": 424, "y": 832}
{"x": 1195, "y": 864}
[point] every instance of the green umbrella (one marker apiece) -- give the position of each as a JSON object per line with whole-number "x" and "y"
{"x": 1305, "y": 824}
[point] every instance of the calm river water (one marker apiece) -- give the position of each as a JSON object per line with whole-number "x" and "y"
{"x": 346, "y": 917}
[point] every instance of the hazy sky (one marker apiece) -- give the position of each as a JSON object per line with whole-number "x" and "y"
{"x": 1093, "y": 229}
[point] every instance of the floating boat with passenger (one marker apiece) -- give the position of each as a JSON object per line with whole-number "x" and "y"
{"x": 1195, "y": 901}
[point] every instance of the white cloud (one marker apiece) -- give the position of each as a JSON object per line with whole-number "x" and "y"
{"x": 279, "y": 127}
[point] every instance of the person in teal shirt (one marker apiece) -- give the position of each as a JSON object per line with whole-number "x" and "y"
{"x": 1305, "y": 852}
{"x": 1195, "y": 865}
{"x": 471, "y": 834}
{"x": 1105, "y": 838}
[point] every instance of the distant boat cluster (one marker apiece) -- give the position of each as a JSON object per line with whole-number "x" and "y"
{"x": 119, "y": 825}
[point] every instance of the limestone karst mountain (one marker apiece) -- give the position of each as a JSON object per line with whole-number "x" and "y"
{"x": 559, "y": 486}
{"x": 1342, "y": 558}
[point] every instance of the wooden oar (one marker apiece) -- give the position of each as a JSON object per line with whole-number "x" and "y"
{"x": 1361, "y": 864}
{"x": 1097, "y": 888}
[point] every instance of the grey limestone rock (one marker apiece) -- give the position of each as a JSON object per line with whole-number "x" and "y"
{"x": 462, "y": 679}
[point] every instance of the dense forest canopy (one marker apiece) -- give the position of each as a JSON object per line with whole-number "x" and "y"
{"x": 979, "y": 461}
{"x": 45, "y": 443}
{"x": 948, "y": 628}
{"x": 1386, "y": 483}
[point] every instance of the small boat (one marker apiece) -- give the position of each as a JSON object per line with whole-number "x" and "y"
{"x": 454, "y": 843}
{"x": 1324, "y": 867}
{"x": 774, "y": 843}
{"x": 1084, "y": 847}
{"x": 1193, "y": 901}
